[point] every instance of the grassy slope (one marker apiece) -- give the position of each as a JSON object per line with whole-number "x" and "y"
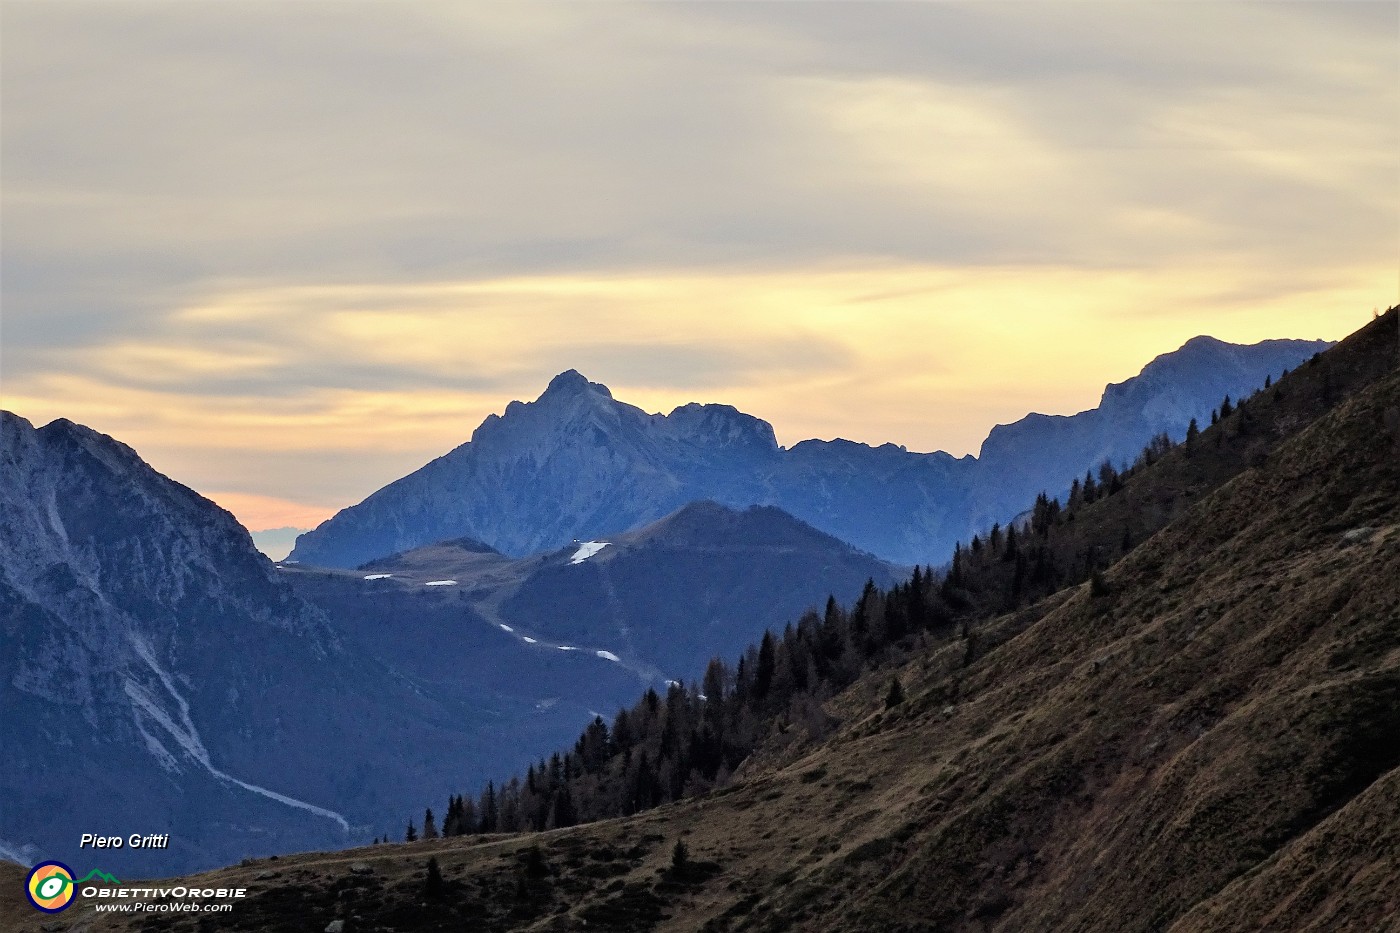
{"x": 1211, "y": 746}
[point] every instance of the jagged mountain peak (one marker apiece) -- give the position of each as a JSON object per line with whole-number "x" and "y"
{"x": 722, "y": 425}
{"x": 578, "y": 463}
{"x": 571, "y": 382}
{"x": 1203, "y": 360}
{"x": 570, "y": 401}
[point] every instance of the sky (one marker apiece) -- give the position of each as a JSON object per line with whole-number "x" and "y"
{"x": 292, "y": 251}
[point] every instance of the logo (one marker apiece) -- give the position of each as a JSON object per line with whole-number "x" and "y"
{"x": 50, "y": 887}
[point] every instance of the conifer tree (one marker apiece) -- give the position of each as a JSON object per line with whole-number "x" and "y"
{"x": 433, "y": 885}
{"x": 489, "y": 813}
{"x": 429, "y": 825}
{"x": 895, "y": 694}
{"x": 680, "y": 857}
{"x": 763, "y": 677}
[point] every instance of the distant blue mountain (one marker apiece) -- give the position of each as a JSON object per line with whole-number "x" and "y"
{"x": 657, "y": 603}
{"x": 577, "y": 463}
{"x": 159, "y": 675}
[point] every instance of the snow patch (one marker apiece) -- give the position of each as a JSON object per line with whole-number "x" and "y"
{"x": 505, "y": 628}
{"x": 441, "y": 583}
{"x": 528, "y": 640}
{"x": 378, "y": 576}
{"x": 586, "y": 550}
{"x": 608, "y": 656}
{"x": 566, "y": 647}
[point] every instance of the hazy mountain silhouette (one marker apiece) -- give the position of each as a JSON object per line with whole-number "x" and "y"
{"x": 577, "y": 463}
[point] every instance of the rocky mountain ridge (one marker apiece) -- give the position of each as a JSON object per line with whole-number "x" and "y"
{"x": 577, "y": 463}
{"x": 1196, "y": 741}
{"x": 160, "y": 675}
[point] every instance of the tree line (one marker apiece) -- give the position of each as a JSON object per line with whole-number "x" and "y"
{"x": 690, "y": 738}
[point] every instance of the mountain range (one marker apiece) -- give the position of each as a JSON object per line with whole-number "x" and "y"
{"x": 159, "y": 675}
{"x": 578, "y": 464}
{"x": 1193, "y": 731}
{"x": 660, "y": 601}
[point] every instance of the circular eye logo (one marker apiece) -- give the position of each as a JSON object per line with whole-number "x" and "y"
{"x": 50, "y": 887}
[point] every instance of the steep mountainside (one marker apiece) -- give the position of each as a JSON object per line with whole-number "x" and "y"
{"x": 1202, "y": 739}
{"x": 656, "y": 603}
{"x": 158, "y": 676}
{"x": 576, "y": 463}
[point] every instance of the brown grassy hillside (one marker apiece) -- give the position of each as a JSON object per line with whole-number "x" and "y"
{"x": 1212, "y": 743}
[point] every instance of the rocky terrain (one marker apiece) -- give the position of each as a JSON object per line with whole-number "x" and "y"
{"x": 160, "y": 676}
{"x": 578, "y": 464}
{"x": 660, "y": 601}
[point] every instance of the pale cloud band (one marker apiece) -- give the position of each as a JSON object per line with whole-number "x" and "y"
{"x": 326, "y": 239}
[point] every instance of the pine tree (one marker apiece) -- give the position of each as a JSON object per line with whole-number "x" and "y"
{"x": 433, "y": 885}
{"x": 429, "y": 825}
{"x": 488, "y": 808}
{"x": 535, "y": 866}
{"x": 562, "y": 814}
{"x": 1098, "y": 586}
{"x": 680, "y": 857}
{"x": 410, "y": 834}
{"x": 1192, "y": 432}
{"x": 763, "y": 677}
{"x": 895, "y": 695}
{"x": 1011, "y": 549}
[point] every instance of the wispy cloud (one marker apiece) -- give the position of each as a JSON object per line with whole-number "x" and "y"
{"x": 324, "y": 240}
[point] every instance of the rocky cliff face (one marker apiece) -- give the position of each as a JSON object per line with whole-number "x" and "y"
{"x": 157, "y": 676}
{"x": 576, "y": 463}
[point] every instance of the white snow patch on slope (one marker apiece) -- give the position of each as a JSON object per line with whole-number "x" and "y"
{"x": 566, "y": 647}
{"x": 528, "y": 640}
{"x": 441, "y": 583}
{"x": 505, "y": 628}
{"x": 586, "y": 550}
{"x": 185, "y": 734}
{"x": 608, "y": 656}
{"x": 378, "y": 576}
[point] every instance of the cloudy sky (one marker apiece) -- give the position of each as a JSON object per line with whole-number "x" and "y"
{"x": 291, "y": 251}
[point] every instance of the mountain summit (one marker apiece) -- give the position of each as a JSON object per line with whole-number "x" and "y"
{"x": 578, "y": 463}
{"x": 157, "y": 674}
